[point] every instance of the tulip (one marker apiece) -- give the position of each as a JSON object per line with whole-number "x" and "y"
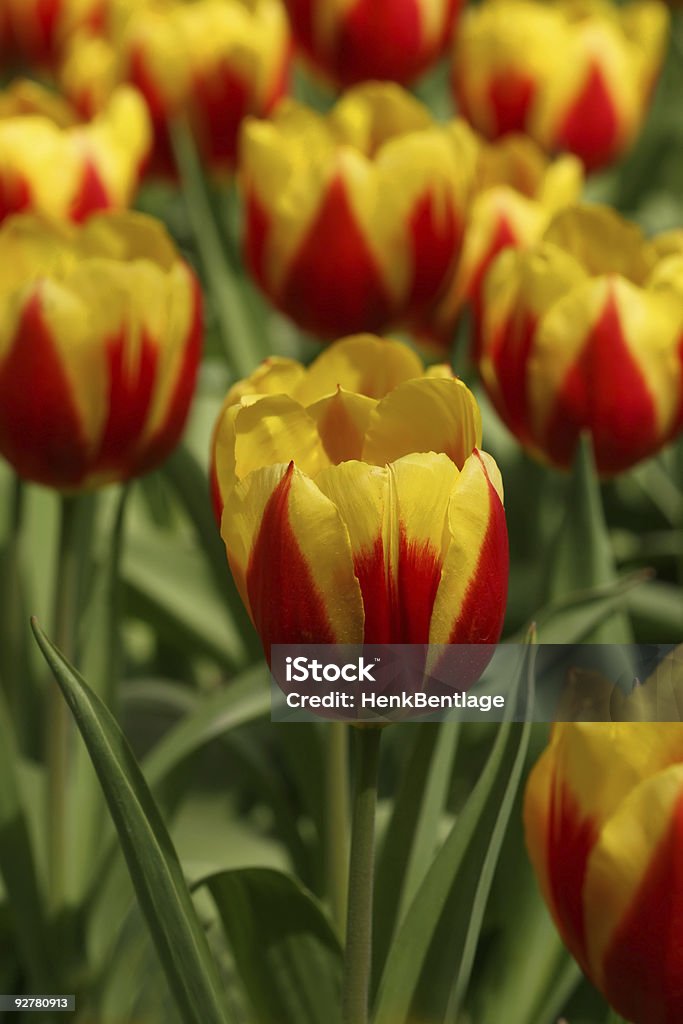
{"x": 215, "y": 61}
{"x": 518, "y": 189}
{"x": 41, "y": 29}
{"x": 354, "y": 220}
{"x": 392, "y": 40}
{"x": 100, "y": 336}
{"x": 579, "y": 332}
{"x": 668, "y": 278}
{"x": 356, "y": 504}
{"x": 575, "y": 77}
{"x": 602, "y": 817}
{"x": 53, "y": 165}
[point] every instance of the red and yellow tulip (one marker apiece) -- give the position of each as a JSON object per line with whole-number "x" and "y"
{"x": 352, "y": 41}
{"x": 576, "y": 75}
{"x": 100, "y": 338}
{"x": 52, "y": 164}
{"x": 603, "y": 827}
{"x": 356, "y": 503}
{"x": 354, "y": 220}
{"x": 518, "y": 190}
{"x": 215, "y": 61}
{"x": 582, "y": 332}
{"x": 668, "y": 278}
{"x": 40, "y": 30}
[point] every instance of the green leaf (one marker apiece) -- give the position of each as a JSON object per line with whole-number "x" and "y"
{"x": 100, "y": 662}
{"x": 17, "y": 864}
{"x": 489, "y": 852}
{"x": 576, "y": 617}
{"x": 285, "y": 949}
{"x": 244, "y": 699}
{"x": 412, "y": 834}
{"x": 415, "y": 937}
{"x": 657, "y": 609}
{"x": 178, "y": 597}
{"x": 561, "y": 989}
{"x": 582, "y": 557}
{"x": 23, "y": 695}
{"x": 152, "y": 861}
{"x": 191, "y": 485}
{"x": 244, "y": 346}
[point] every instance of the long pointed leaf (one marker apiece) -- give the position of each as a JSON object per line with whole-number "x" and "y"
{"x": 465, "y": 955}
{"x": 416, "y": 933}
{"x": 100, "y": 662}
{"x": 412, "y": 829}
{"x": 17, "y": 863}
{"x": 285, "y": 950}
{"x": 153, "y": 864}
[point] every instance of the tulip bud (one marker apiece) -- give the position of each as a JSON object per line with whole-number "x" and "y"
{"x": 372, "y": 39}
{"x": 579, "y": 333}
{"x": 576, "y": 78}
{"x": 356, "y": 504}
{"x": 100, "y": 337}
{"x": 52, "y": 164}
{"x": 607, "y": 855}
{"x": 354, "y": 219}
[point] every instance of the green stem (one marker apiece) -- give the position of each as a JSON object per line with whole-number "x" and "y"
{"x": 13, "y": 625}
{"x": 357, "y": 961}
{"x": 337, "y": 811}
{"x": 241, "y": 343}
{"x": 67, "y": 586}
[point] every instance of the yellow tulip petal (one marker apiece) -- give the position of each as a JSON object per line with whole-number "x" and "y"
{"x": 397, "y": 538}
{"x": 290, "y": 554}
{"x": 643, "y": 326}
{"x": 425, "y": 415}
{"x": 470, "y": 600}
{"x": 274, "y": 376}
{"x": 631, "y": 888}
{"x": 363, "y": 363}
{"x": 273, "y": 428}
{"x": 602, "y": 241}
{"x": 370, "y": 114}
{"x": 342, "y": 419}
{"x": 584, "y": 751}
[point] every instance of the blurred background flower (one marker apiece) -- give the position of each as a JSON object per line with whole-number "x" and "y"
{"x": 53, "y": 163}
{"x": 356, "y": 504}
{"x": 353, "y": 42}
{"x": 602, "y": 816}
{"x": 580, "y": 333}
{"x": 100, "y": 339}
{"x": 40, "y": 30}
{"x": 354, "y": 219}
{"x": 214, "y": 61}
{"x": 576, "y": 75}
{"x": 517, "y": 189}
